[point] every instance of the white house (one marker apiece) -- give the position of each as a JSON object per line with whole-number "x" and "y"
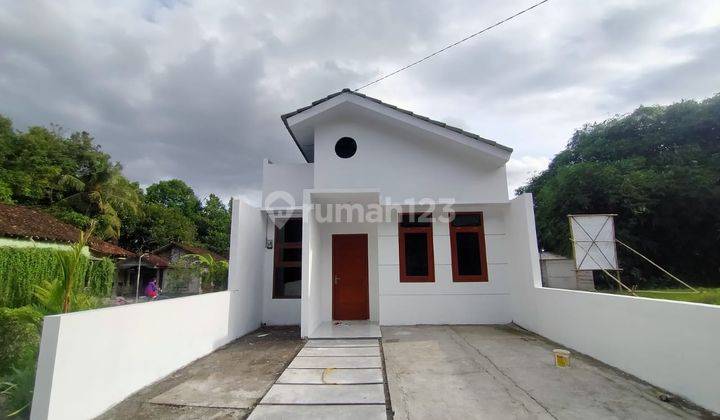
{"x": 363, "y": 230}
{"x": 334, "y": 240}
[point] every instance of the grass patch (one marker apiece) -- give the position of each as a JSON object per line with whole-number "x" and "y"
{"x": 709, "y": 295}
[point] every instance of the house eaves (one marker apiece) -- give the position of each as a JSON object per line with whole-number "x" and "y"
{"x": 285, "y": 118}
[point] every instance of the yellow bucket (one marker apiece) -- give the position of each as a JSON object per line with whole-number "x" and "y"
{"x": 562, "y": 358}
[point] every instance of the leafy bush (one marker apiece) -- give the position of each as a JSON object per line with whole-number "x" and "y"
{"x": 17, "y": 390}
{"x": 19, "y": 337}
{"x": 100, "y": 277}
{"x": 19, "y": 343}
{"x": 21, "y": 269}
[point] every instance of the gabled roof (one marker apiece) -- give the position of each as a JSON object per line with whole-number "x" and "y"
{"x": 457, "y": 130}
{"x": 28, "y": 223}
{"x": 191, "y": 249}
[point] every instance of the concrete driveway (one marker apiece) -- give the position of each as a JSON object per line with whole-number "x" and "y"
{"x": 503, "y": 372}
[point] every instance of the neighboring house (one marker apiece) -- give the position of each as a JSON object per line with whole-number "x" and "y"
{"x": 559, "y": 272}
{"x": 172, "y": 253}
{"x": 361, "y": 155}
{"x": 27, "y": 227}
{"x": 151, "y": 267}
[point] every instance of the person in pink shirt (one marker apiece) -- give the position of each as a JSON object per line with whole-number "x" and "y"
{"x": 151, "y": 290}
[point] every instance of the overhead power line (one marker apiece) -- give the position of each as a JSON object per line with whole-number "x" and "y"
{"x": 451, "y": 45}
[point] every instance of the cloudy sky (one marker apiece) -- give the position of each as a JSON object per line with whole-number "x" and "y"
{"x": 194, "y": 89}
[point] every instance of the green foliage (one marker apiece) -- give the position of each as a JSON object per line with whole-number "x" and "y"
{"x": 213, "y": 273}
{"x": 22, "y": 269}
{"x": 214, "y": 225}
{"x": 19, "y": 337}
{"x": 71, "y": 177}
{"x": 100, "y": 277}
{"x": 174, "y": 194}
{"x": 73, "y": 265}
{"x": 42, "y": 167}
{"x": 17, "y": 390}
{"x": 658, "y": 169}
{"x": 19, "y": 343}
{"x": 50, "y": 298}
{"x": 167, "y": 224}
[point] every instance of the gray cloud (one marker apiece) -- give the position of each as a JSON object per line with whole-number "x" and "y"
{"x": 194, "y": 90}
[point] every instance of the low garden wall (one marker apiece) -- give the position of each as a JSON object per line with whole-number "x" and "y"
{"x": 94, "y": 359}
{"x": 670, "y": 344}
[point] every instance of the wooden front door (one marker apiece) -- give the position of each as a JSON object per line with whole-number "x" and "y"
{"x": 350, "y": 297}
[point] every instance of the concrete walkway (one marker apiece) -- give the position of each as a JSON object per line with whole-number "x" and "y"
{"x": 329, "y": 379}
{"x": 503, "y": 372}
{"x": 223, "y": 385}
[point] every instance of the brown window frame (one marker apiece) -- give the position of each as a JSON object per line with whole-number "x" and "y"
{"x": 278, "y": 262}
{"x": 480, "y": 231}
{"x": 404, "y": 278}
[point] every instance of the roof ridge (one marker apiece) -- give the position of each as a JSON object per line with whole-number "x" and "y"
{"x": 441, "y": 124}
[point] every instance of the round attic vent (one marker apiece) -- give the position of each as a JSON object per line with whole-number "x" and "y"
{"x": 345, "y": 147}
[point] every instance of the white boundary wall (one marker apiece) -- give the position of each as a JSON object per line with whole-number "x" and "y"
{"x": 92, "y": 360}
{"x": 670, "y": 344}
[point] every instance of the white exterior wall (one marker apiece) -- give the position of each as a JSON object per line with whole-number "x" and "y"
{"x": 92, "y": 360}
{"x": 404, "y": 166}
{"x": 245, "y": 274}
{"x": 444, "y": 301}
{"x": 292, "y": 178}
{"x": 669, "y": 344}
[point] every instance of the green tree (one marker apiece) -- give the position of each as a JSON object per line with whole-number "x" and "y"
{"x": 213, "y": 225}
{"x": 658, "y": 169}
{"x": 69, "y": 175}
{"x": 164, "y": 225}
{"x": 174, "y": 194}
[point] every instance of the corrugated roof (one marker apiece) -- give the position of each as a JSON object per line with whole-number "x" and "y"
{"x": 26, "y": 222}
{"x": 473, "y": 136}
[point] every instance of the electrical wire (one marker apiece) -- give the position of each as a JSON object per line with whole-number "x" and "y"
{"x": 451, "y": 45}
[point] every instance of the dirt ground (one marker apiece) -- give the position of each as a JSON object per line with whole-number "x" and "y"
{"x": 226, "y": 384}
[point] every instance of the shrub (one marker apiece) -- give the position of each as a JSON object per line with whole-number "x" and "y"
{"x": 22, "y": 269}
{"x": 19, "y": 337}
{"x": 17, "y": 390}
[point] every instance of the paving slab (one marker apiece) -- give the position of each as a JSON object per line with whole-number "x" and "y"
{"x": 339, "y": 351}
{"x": 358, "y": 342}
{"x": 331, "y": 376}
{"x": 313, "y": 412}
{"x": 336, "y": 362}
{"x": 325, "y": 394}
{"x": 224, "y": 384}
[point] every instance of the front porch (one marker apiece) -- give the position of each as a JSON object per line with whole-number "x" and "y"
{"x": 347, "y": 329}
{"x": 340, "y": 287}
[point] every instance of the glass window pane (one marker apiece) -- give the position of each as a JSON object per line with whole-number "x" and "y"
{"x": 287, "y": 282}
{"x": 291, "y": 254}
{"x": 416, "y": 254}
{"x": 466, "y": 220}
{"x": 292, "y": 230}
{"x": 467, "y": 245}
{"x": 416, "y": 220}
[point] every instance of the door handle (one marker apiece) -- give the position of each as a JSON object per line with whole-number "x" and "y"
{"x": 335, "y": 280}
